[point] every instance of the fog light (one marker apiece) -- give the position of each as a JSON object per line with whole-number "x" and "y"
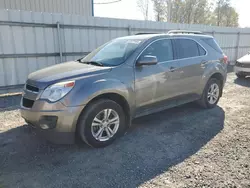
{"x": 48, "y": 122}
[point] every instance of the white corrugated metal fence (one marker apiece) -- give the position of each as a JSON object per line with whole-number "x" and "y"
{"x": 30, "y": 41}
{"x": 80, "y": 7}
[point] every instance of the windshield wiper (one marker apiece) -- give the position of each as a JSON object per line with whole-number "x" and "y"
{"x": 93, "y": 63}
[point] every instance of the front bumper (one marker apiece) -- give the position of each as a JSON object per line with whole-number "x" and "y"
{"x": 62, "y": 128}
{"x": 242, "y": 70}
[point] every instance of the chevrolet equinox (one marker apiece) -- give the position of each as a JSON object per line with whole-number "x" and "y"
{"x": 96, "y": 97}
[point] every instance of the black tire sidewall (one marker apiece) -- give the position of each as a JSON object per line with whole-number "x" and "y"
{"x": 209, "y": 83}
{"x": 90, "y": 113}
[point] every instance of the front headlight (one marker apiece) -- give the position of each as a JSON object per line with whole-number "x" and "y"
{"x": 57, "y": 91}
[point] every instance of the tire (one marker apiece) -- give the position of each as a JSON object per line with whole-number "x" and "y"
{"x": 240, "y": 76}
{"x": 205, "y": 99}
{"x": 97, "y": 110}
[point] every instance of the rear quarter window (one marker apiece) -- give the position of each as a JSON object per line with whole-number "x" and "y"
{"x": 212, "y": 43}
{"x": 201, "y": 50}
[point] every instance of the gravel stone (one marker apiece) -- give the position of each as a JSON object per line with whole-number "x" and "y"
{"x": 180, "y": 147}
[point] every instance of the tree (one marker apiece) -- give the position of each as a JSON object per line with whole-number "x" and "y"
{"x": 175, "y": 9}
{"x": 196, "y": 12}
{"x": 221, "y": 4}
{"x": 192, "y": 11}
{"x": 202, "y": 12}
{"x": 143, "y": 5}
{"x": 225, "y": 14}
{"x": 232, "y": 18}
{"x": 160, "y": 7}
{"x": 189, "y": 10}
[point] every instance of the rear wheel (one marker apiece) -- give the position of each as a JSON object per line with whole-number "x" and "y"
{"x": 211, "y": 94}
{"x": 101, "y": 123}
{"x": 239, "y": 75}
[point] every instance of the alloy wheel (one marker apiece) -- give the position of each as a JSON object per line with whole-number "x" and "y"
{"x": 105, "y": 125}
{"x": 213, "y": 93}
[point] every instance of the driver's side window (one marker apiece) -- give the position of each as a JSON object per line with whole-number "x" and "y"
{"x": 162, "y": 49}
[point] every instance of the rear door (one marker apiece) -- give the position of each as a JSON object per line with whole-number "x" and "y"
{"x": 191, "y": 57}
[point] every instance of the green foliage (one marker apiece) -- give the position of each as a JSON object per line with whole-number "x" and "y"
{"x": 208, "y": 12}
{"x": 160, "y": 7}
{"x": 225, "y": 14}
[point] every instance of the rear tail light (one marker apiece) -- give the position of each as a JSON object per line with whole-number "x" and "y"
{"x": 225, "y": 59}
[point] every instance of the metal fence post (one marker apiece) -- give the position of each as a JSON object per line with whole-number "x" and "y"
{"x": 129, "y": 30}
{"x": 59, "y": 41}
{"x": 237, "y": 47}
{"x": 213, "y": 33}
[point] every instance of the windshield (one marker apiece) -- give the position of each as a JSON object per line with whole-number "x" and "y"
{"x": 113, "y": 53}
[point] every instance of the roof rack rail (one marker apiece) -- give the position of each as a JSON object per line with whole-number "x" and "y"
{"x": 184, "y": 32}
{"x": 145, "y": 33}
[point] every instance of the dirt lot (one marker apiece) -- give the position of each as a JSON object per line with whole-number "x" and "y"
{"x": 180, "y": 147}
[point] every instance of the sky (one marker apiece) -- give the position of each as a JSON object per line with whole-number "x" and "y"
{"x": 127, "y": 9}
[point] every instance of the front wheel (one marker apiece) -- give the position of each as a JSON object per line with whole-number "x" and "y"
{"x": 211, "y": 94}
{"x": 101, "y": 123}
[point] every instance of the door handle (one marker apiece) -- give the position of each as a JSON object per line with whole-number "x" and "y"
{"x": 172, "y": 69}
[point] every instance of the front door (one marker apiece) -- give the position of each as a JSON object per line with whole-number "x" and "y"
{"x": 155, "y": 84}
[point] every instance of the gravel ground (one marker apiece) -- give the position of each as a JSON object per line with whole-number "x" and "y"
{"x": 180, "y": 147}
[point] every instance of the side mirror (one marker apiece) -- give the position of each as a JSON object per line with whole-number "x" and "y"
{"x": 147, "y": 60}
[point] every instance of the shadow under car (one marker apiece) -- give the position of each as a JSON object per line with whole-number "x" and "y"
{"x": 152, "y": 145}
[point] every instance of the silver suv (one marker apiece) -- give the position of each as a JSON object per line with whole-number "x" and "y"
{"x": 96, "y": 97}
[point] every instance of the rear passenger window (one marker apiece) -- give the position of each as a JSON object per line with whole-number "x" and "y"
{"x": 201, "y": 50}
{"x": 162, "y": 49}
{"x": 186, "y": 48}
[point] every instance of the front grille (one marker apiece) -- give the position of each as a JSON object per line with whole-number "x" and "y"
{"x": 32, "y": 88}
{"x": 244, "y": 65}
{"x": 27, "y": 103}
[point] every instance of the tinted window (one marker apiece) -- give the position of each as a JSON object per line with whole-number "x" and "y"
{"x": 186, "y": 48}
{"x": 162, "y": 49}
{"x": 201, "y": 50}
{"x": 211, "y": 42}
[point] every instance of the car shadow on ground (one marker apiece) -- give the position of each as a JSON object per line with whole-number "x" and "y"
{"x": 243, "y": 81}
{"x": 152, "y": 145}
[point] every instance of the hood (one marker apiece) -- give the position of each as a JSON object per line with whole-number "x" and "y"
{"x": 245, "y": 59}
{"x": 63, "y": 71}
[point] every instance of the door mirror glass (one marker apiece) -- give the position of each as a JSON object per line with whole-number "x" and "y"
{"x": 147, "y": 60}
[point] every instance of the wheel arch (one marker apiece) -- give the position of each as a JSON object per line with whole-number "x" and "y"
{"x": 119, "y": 99}
{"x": 219, "y": 77}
